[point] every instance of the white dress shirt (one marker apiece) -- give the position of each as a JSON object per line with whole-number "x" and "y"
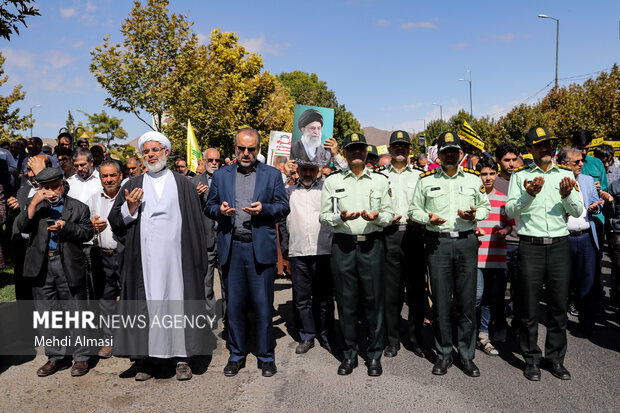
{"x": 83, "y": 189}
{"x": 100, "y": 205}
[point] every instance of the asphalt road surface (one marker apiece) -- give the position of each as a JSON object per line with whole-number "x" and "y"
{"x": 309, "y": 382}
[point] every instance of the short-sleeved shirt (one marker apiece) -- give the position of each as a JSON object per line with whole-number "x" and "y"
{"x": 444, "y": 195}
{"x": 543, "y": 215}
{"x": 492, "y": 249}
{"x": 402, "y": 185}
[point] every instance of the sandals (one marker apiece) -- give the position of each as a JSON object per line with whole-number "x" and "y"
{"x": 485, "y": 345}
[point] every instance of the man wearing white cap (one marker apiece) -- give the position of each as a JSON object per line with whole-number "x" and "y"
{"x": 163, "y": 262}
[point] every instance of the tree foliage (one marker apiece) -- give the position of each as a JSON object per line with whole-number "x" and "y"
{"x": 137, "y": 73}
{"x": 10, "y": 120}
{"x": 307, "y": 89}
{"x": 106, "y": 128}
{"x": 13, "y": 12}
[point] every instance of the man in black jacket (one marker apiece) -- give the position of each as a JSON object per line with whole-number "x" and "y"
{"x": 54, "y": 259}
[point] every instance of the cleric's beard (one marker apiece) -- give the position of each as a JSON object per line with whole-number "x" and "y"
{"x": 309, "y": 141}
{"x": 157, "y": 166}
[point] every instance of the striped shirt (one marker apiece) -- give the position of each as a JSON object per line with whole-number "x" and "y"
{"x": 492, "y": 250}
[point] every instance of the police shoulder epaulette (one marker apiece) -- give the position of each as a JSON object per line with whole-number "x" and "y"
{"x": 380, "y": 168}
{"x": 429, "y": 173}
{"x": 417, "y": 168}
{"x": 564, "y": 167}
{"x": 471, "y": 171}
{"x": 521, "y": 168}
{"x": 378, "y": 171}
{"x": 336, "y": 172}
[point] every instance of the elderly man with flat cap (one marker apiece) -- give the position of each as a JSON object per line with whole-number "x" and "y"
{"x": 57, "y": 226}
{"x": 163, "y": 261}
{"x": 309, "y": 147}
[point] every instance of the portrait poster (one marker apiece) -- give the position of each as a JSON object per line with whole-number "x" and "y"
{"x": 312, "y": 126}
{"x": 279, "y": 149}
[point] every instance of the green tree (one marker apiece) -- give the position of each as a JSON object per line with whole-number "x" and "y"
{"x": 137, "y": 73}
{"x": 108, "y": 126}
{"x": 221, "y": 88}
{"x": 10, "y": 120}
{"x": 307, "y": 89}
{"x": 13, "y": 12}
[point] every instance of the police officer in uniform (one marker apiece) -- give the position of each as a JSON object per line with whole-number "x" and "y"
{"x": 356, "y": 204}
{"x": 541, "y": 195}
{"x": 449, "y": 200}
{"x": 404, "y": 242}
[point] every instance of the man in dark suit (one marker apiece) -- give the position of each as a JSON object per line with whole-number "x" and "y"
{"x": 246, "y": 199}
{"x": 54, "y": 259}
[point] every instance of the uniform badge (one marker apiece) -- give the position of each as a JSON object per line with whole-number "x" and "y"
{"x": 369, "y": 148}
{"x": 340, "y": 190}
{"x": 540, "y": 132}
{"x": 449, "y": 137}
{"x": 399, "y": 135}
{"x": 577, "y": 187}
{"x": 482, "y": 191}
{"x": 390, "y": 192}
{"x": 355, "y": 138}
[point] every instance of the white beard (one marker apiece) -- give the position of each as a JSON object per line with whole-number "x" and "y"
{"x": 157, "y": 166}
{"x": 310, "y": 142}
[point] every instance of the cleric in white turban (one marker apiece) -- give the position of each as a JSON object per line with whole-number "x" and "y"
{"x": 160, "y": 216}
{"x": 154, "y": 136}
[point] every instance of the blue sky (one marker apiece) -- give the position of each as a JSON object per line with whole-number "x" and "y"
{"x": 387, "y": 61}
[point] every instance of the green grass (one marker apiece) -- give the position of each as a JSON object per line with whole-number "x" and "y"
{"x": 7, "y": 285}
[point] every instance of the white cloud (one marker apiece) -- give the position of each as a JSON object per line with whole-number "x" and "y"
{"x": 90, "y": 6}
{"x": 21, "y": 59}
{"x": 260, "y": 45}
{"x": 77, "y": 44}
{"x": 202, "y": 38}
{"x": 66, "y": 13}
{"x": 412, "y": 106}
{"x": 418, "y": 25}
{"x": 383, "y": 23}
{"x": 506, "y": 38}
{"x": 58, "y": 59}
{"x": 460, "y": 46}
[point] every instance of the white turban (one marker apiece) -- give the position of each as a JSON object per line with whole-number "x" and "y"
{"x": 154, "y": 136}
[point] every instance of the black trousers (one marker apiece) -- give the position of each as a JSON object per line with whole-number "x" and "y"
{"x": 452, "y": 264}
{"x": 46, "y": 291}
{"x": 405, "y": 267}
{"x": 548, "y": 265}
{"x": 356, "y": 269}
{"x": 111, "y": 289}
{"x": 313, "y": 295}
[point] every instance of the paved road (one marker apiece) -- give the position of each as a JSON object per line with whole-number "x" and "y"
{"x": 309, "y": 382}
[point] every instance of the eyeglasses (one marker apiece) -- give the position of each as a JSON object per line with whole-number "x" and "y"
{"x": 211, "y": 160}
{"x": 155, "y": 150}
{"x": 250, "y": 149}
{"x": 577, "y": 162}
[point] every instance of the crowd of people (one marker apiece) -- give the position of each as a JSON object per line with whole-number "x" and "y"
{"x": 444, "y": 232}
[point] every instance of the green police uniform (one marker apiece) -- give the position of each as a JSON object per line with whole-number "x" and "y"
{"x": 451, "y": 250}
{"x": 544, "y": 255}
{"x": 405, "y": 264}
{"x": 358, "y": 251}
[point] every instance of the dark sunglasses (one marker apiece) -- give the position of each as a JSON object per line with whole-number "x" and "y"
{"x": 250, "y": 149}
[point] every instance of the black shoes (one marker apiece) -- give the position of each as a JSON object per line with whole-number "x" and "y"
{"x": 233, "y": 367}
{"x": 304, "y": 346}
{"x": 470, "y": 368}
{"x": 532, "y": 372}
{"x": 441, "y": 367}
{"x": 559, "y": 371}
{"x": 347, "y": 366}
{"x": 418, "y": 351}
{"x": 374, "y": 368}
{"x": 268, "y": 368}
{"x": 390, "y": 351}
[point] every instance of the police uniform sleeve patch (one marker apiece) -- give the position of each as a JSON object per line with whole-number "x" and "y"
{"x": 577, "y": 187}
{"x": 482, "y": 190}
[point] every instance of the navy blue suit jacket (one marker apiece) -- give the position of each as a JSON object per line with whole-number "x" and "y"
{"x": 269, "y": 191}
{"x": 590, "y": 196}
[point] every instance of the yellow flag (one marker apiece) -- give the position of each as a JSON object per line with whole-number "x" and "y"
{"x": 193, "y": 150}
{"x": 469, "y": 135}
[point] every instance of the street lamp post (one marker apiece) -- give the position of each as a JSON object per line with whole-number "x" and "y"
{"x": 423, "y": 120}
{"x": 471, "y": 105}
{"x": 557, "y": 43}
{"x": 32, "y": 107}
